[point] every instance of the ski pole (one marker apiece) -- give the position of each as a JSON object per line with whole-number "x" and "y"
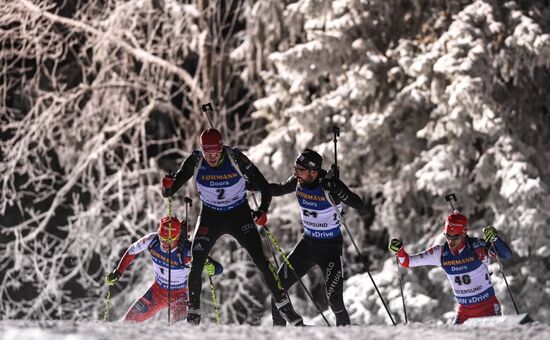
{"x": 270, "y": 243}
{"x": 289, "y": 265}
{"x": 293, "y": 271}
{"x": 188, "y": 203}
{"x": 208, "y": 108}
{"x": 213, "y": 292}
{"x": 262, "y": 231}
{"x": 107, "y": 303}
{"x": 449, "y": 198}
{"x": 504, "y": 277}
{"x": 367, "y": 269}
{"x": 169, "y": 253}
{"x": 336, "y": 132}
{"x": 364, "y": 263}
{"x": 402, "y": 295}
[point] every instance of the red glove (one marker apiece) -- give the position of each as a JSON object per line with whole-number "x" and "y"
{"x": 260, "y": 217}
{"x": 167, "y": 184}
{"x": 167, "y": 181}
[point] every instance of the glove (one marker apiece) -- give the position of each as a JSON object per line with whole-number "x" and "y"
{"x": 395, "y": 245}
{"x": 112, "y": 278}
{"x": 333, "y": 173}
{"x": 260, "y": 217}
{"x": 210, "y": 268}
{"x": 328, "y": 184}
{"x": 490, "y": 234}
{"x": 167, "y": 184}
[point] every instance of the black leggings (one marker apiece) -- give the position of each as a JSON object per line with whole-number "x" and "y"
{"x": 238, "y": 223}
{"x": 327, "y": 254}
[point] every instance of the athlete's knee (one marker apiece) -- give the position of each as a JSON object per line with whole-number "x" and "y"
{"x": 286, "y": 276}
{"x": 139, "y": 312}
{"x": 202, "y": 241}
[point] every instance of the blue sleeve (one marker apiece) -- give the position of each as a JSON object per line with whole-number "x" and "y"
{"x": 502, "y": 249}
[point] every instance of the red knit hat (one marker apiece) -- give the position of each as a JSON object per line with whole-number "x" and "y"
{"x": 211, "y": 141}
{"x": 164, "y": 229}
{"x": 456, "y": 224}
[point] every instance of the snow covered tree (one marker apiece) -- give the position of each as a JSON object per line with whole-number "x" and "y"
{"x": 100, "y": 98}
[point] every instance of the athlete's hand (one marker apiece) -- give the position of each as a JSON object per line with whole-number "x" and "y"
{"x": 328, "y": 184}
{"x": 167, "y": 184}
{"x": 209, "y": 268}
{"x": 260, "y": 217}
{"x": 333, "y": 172}
{"x": 395, "y": 245}
{"x": 490, "y": 234}
{"x": 112, "y": 278}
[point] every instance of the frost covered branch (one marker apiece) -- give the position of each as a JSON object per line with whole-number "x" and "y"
{"x": 100, "y": 99}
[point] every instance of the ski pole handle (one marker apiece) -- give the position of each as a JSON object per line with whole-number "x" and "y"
{"x": 450, "y": 198}
{"x": 206, "y": 108}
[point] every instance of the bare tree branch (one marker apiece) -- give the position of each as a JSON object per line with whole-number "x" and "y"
{"x": 138, "y": 53}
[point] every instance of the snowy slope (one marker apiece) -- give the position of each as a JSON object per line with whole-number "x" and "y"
{"x": 65, "y": 330}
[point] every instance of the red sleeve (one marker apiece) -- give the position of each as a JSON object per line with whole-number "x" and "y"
{"x": 402, "y": 257}
{"x": 136, "y": 248}
{"x": 125, "y": 262}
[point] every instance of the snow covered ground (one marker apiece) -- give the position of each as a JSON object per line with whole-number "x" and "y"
{"x": 65, "y": 330}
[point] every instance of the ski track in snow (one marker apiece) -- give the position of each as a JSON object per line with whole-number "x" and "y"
{"x": 80, "y": 330}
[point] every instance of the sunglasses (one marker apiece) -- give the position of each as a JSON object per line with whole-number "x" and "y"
{"x": 298, "y": 169}
{"x": 212, "y": 154}
{"x": 167, "y": 239}
{"x": 453, "y": 237}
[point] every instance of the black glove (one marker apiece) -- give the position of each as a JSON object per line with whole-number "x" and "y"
{"x": 250, "y": 187}
{"x": 333, "y": 173}
{"x": 395, "y": 245}
{"x": 328, "y": 184}
{"x": 112, "y": 278}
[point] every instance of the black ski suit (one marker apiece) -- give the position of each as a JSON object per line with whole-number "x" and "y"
{"x": 233, "y": 216}
{"x": 318, "y": 247}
